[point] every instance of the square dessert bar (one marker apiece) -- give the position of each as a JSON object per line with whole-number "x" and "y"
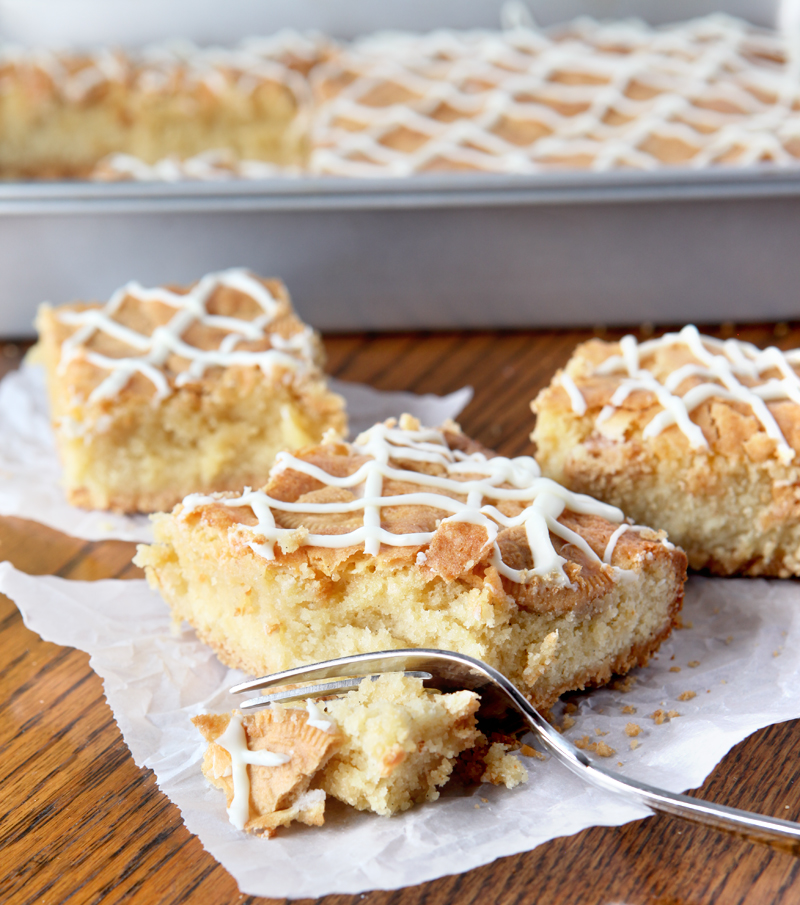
{"x": 415, "y": 537}
{"x": 162, "y": 392}
{"x": 688, "y": 433}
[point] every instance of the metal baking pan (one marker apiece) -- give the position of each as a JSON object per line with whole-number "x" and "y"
{"x": 427, "y": 252}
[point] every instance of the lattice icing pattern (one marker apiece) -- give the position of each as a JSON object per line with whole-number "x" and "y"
{"x": 469, "y": 489}
{"x": 161, "y": 68}
{"x": 294, "y": 352}
{"x": 726, "y": 369}
{"x": 598, "y": 96}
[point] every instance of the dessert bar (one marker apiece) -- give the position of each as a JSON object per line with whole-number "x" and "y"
{"x": 162, "y": 392}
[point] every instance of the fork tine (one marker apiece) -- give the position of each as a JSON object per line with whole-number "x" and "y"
{"x": 405, "y": 660}
{"x": 322, "y": 690}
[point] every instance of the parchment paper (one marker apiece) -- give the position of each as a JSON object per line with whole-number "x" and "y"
{"x": 743, "y": 635}
{"x": 30, "y": 474}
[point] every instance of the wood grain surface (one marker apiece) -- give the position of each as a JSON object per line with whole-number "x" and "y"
{"x": 80, "y": 823}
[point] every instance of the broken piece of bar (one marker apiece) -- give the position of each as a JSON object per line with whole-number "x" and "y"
{"x": 162, "y": 392}
{"x": 381, "y": 748}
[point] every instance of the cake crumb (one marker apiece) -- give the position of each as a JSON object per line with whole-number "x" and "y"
{"x": 659, "y": 717}
{"x": 634, "y": 744}
{"x": 693, "y": 663}
{"x": 729, "y": 639}
{"x": 687, "y": 695}
{"x": 624, "y": 685}
{"x": 599, "y": 748}
{"x": 632, "y": 729}
{"x": 570, "y": 707}
{"x": 672, "y": 714}
{"x": 776, "y": 653}
{"x": 600, "y": 732}
{"x": 567, "y": 723}
{"x": 527, "y": 751}
{"x": 674, "y": 669}
{"x": 628, "y": 709}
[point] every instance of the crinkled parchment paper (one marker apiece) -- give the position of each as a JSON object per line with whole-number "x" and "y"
{"x": 742, "y": 639}
{"x": 30, "y": 474}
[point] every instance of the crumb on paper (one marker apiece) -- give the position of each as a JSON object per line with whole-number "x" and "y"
{"x": 600, "y": 732}
{"x": 634, "y": 744}
{"x": 570, "y": 707}
{"x": 687, "y": 695}
{"x": 624, "y": 685}
{"x": 567, "y": 723}
{"x": 693, "y": 663}
{"x": 628, "y": 709}
{"x": 485, "y": 800}
{"x": 729, "y": 639}
{"x": 632, "y": 730}
{"x": 674, "y": 669}
{"x": 527, "y": 751}
{"x": 672, "y": 714}
{"x": 776, "y": 653}
{"x": 659, "y": 717}
{"x": 599, "y": 748}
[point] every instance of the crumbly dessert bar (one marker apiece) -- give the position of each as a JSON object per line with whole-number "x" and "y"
{"x": 382, "y": 748}
{"x": 62, "y": 113}
{"x": 414, "y": 537}
{"x": 585, "y": 95}
{"x": 162, "y": 392}
{"x": 688, "y": 433}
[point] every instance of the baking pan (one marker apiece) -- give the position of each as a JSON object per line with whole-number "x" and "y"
{"x": 427, "y": 252}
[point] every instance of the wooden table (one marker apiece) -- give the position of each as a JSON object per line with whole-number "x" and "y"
{"x": 81, "y": 823}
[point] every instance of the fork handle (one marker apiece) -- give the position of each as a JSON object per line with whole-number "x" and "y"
{"x": 772, "y": 830}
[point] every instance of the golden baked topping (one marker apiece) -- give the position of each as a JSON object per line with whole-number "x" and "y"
{"x": 405, "y": 486}
{"x": 668, "y": 380}
{"x": 169, "y": 337}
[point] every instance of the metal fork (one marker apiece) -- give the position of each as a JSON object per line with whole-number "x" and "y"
{"x": 447, "y": 670}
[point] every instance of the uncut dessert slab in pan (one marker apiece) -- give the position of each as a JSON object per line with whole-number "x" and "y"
{"x": 667, "y": 244}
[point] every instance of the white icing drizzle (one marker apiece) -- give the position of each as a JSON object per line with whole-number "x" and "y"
{"x": 316, "y": 717}
{"x": 219, "y": 164}
{"x": 715, "y": 86}
{"x": 612, "y": 542}
{"x": 483, "y": 487}
{"x": 293, "y": 353}
{"x": 722, "y": 365}
{"x": 575, "y": 396}
{"x": 234, "y": 741}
